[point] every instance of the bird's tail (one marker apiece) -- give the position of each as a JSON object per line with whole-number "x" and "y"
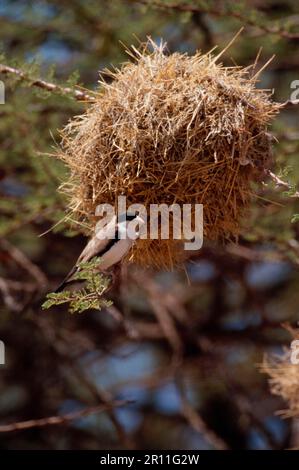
{"x": 66, "y": 280}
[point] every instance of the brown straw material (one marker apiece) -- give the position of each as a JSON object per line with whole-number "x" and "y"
{"x": 284, "y": 376}
{"x": 171, "y": 129}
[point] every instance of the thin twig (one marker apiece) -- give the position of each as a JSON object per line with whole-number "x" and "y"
{"x": 290, "y": 104}
{"x": 8, "y": 286}
{"x": 24, "y": 262}
{"x": 79, "y": 95}
{"x": 195, "y": 420}
{"x": 61, "y": 347}
{"x": 54, "y": 420}
{"x": 8, "y": 299}
{"x": 188, "y": 8}
{"x": 161, "y": 312}
{"x": 283, "y": 184}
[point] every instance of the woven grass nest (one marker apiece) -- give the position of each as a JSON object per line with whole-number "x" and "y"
{"x": 171, "y": 129}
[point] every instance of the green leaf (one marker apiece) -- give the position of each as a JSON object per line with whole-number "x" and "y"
{"x": 88, "y": 297}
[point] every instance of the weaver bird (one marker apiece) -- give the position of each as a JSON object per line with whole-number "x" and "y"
{"x": 111, "y": 243}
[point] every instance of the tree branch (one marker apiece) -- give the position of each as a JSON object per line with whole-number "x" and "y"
{"x": 79, "y": 95}
{"x": 24, "y": 262}
{"x": 187, "y": 8}
{"x": 280, "y": 182}
{"x": 290, "y": 104}
{"x": 195, "y": 420}
{"x": 50, "y": 421}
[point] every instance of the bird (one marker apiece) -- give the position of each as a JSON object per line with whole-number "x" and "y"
{"x": 111, "y": 243}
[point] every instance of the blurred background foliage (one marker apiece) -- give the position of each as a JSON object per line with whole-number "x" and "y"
{"x": 183, "y": 350}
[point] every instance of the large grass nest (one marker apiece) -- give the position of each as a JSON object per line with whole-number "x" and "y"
{"x": 171, "y": 129}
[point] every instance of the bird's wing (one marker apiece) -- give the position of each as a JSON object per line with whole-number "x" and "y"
{"x": 114, "y": 255}
{"x": 96, "y": 245}
{"x": 66, "y": 279}
{"x": 99, "y": 242}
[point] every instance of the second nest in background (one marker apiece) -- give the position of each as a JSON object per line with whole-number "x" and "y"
{"x": 171, "y": 129}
